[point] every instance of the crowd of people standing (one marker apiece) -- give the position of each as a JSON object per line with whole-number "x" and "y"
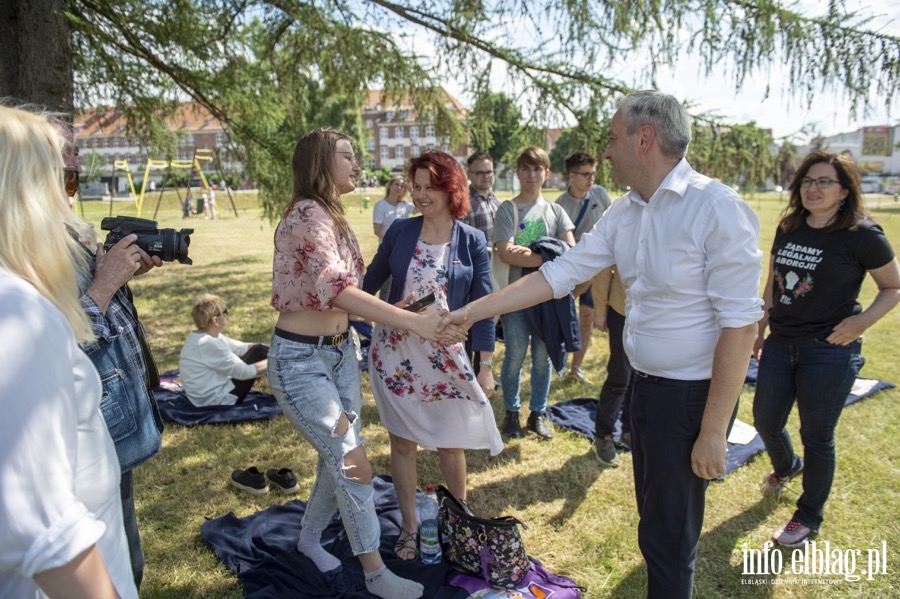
{"x": 678, "y": 242}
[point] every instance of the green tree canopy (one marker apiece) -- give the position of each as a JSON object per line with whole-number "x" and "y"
{"x": 741, "y": 155}
{"x": 497, "y": 126}
{"x": 252, "y": 63}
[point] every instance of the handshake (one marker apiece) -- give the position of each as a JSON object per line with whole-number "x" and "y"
{"x": 438, "y": 326}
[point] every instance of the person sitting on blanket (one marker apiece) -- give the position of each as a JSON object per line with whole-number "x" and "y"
{"x": 215, "y": 369}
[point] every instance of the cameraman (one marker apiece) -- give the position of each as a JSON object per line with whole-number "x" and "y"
{"x": 127, "y": 371}
{"x": 122, "y": 358}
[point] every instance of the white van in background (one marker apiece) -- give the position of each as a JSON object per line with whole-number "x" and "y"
{"x": 870, "y": 184}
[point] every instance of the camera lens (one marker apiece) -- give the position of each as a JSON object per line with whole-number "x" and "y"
{"x": 175, "y": 245}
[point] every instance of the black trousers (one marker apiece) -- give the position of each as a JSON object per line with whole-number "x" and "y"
{"x": 665, "y": 422}
{"x": 256, "y": 353}
{"x": 614, "y": 395}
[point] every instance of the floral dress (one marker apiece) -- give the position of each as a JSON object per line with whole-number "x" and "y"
{"x": 426, "y": 393}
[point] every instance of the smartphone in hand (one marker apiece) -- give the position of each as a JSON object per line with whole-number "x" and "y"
{"x": 421, "y": 303}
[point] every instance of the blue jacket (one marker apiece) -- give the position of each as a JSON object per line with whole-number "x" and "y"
{"x": 556, "y": 320}
{"x": 469, "y": 276}
{"x": 119, "y": 354}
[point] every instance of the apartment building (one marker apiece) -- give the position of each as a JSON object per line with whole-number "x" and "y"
{"x": 398, "y": 133}
{"x": 103, "y": 132}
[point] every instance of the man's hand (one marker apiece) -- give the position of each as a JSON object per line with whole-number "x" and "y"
{"x": 116, "y": 267}
{"x": 430, "y": 327}
{"x": 147, "y": 262}
{"x": 459, "y": 318}
{"x": 708, "y": 456}
{"x": 600, "y": 323}
{"x": 519, "y": 249}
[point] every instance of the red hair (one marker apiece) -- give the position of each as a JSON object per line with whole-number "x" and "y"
{"x": 448, "y": 176}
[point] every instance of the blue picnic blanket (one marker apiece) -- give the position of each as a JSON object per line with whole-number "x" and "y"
{"x": 174, "y": 406}
{"x": 261, "y": 550}
{"x": 578, "y": 415}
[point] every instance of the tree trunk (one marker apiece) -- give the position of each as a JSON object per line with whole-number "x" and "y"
{"x": 36, "y": 54}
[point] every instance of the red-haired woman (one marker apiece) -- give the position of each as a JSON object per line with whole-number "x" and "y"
{"x": 426, "y": 394}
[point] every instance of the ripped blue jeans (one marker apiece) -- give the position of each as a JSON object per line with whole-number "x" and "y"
{"x": 314, "y": 385}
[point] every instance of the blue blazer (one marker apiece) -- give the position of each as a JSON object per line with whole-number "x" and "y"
{"x": 469, "y": 275}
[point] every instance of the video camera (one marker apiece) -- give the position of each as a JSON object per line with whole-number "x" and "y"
{"x": 168, "y": 244}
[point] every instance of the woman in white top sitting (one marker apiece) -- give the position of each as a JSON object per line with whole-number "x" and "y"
{"x": 215, "y": 369}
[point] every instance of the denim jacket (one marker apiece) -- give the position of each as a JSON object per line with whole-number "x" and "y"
{"x": 128, "y": 407}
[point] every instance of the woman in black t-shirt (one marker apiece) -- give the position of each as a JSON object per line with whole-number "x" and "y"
{"x": 824, "y": 246}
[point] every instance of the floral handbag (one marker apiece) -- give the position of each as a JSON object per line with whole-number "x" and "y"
{"x": 491, "y": 549}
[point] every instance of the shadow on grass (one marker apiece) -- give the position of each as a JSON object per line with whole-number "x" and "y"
{"x": 715, "y": 576}
{"x": 569, "y": 482}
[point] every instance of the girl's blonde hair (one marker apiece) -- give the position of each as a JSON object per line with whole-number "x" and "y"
{"x": 36, "y": 223}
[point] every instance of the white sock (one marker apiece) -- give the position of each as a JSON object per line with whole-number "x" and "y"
{"x": 387, "y": 585}
{"x": 310, "y": 545}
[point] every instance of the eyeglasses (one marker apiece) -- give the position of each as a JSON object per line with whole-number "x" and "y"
{"x": 352, "y": 156}
{"x": 590, "y": 175}
{"x": 71, "y": 179}
{"x": 482, "y": 173}
{"x": 821, "y": 182}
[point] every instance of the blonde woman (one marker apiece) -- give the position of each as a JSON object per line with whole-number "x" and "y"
{"x": 393, "y": 206}
{"x": 63, "y": 534}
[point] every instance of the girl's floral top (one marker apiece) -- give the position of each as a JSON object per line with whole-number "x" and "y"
{"x": 313, "y": 261}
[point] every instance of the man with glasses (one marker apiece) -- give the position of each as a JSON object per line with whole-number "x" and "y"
{"x": 483, "y": 206}
{"x": 585, "y": 203}
{"x": 482, "y": 201}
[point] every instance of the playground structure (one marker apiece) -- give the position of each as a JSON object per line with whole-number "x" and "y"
{"x": 194, "y": 165}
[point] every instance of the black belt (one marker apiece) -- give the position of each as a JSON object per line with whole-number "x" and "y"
{"x": 662, "y": 379}
{"x": 323, "y": 340}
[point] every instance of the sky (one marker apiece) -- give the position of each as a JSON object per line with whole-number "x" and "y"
{"x": 785, "y": 115}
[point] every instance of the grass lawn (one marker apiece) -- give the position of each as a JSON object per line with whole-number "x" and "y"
{"x": 582, "y": 520}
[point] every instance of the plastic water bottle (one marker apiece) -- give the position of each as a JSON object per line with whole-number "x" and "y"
{"x": 429, "y": 542}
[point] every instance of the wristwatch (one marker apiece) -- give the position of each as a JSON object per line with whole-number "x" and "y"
{"x": 487, "y": 363}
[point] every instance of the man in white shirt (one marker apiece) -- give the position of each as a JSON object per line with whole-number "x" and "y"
{"x": 687, "y": 249}
{"x": 585, "y": 203}
{"x": 215, "y": 369}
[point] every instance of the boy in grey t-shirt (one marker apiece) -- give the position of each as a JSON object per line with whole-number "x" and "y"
{"x": 536, "y": 218}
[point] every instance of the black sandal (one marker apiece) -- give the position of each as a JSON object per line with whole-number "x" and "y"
{"x": 406, "y": 542}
